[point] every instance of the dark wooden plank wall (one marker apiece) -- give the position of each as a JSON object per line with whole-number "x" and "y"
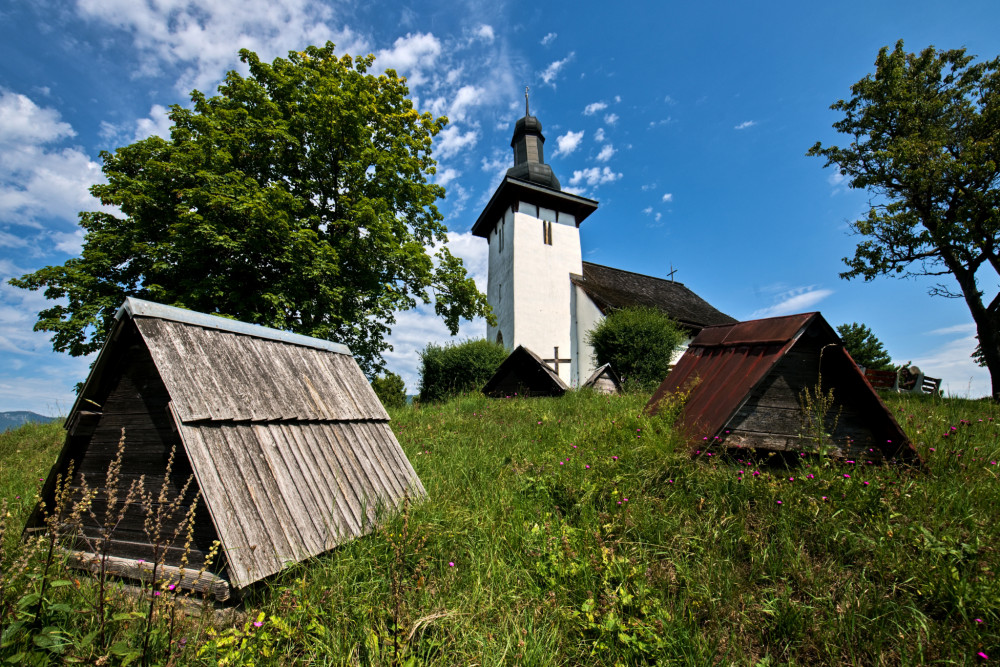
{"x": 772, "y": 417}
{"x": 136, "y": 399}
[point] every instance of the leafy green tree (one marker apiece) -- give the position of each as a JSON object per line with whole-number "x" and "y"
{"x": 925, "y": 141}
{"x": 296, "y": 198}
{"x": 864, "y": 347}
{"x": 449, "y": 370}
{"x": 639, "y": 343}
{"x": 390, "y": 389}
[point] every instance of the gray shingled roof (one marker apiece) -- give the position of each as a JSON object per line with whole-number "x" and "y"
{"x": 612, "y": 288}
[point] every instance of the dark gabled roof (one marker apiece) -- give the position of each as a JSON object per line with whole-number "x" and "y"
{"x": 291, "y": 448}
{"x": 724, "y": 365}
{"x": 524, "y": 373}
{"x": 611, "y": 289}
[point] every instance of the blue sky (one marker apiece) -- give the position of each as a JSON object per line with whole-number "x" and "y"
{"x": 688, "y": 122}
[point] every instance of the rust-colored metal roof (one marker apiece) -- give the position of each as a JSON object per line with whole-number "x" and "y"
{"x": 722, "y": 366}
{"x": 725, "y": 364}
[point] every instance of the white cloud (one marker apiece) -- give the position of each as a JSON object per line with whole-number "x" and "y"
{"x": 496, "y": 165}
{"x": 548, "y": 39}
{"x": 552, "y": 71}
{"x": 157, "y": 123}
{"x": 658, "y": 216}
{"x": 412, "y": 56}
{"x": 618, "y": 99}
{"x": 798, "y": 300}
{"x": 648, "y": 210}
{"x": 611, "y": 118}
{"x": 952, "y": 362}
{"x": 745, "y": 124}
{"x": 669, "y": 197}
{"x": 451, "y": 140}
{"x": 40, "y": 182}
{"x": 648, "y": 186}
{"x": 202, "y": 37}
{"x": 467, "y": 97}
{"x": 599, "y": 135}
{"x": 594, "y": 107}
{"x": 485, "y": 33}
{"x": 593, "y": 176}
{"x": 606, "y": 153}
{"x": 446, "y": 176}
{"x": 22, "y": 121}
{"x": 969, "y": 329}
{"x": 568, "y": 143}
{"x": 414, "y": 329}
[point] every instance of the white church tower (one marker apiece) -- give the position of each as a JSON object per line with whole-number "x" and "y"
{"x": 532, "y": 227}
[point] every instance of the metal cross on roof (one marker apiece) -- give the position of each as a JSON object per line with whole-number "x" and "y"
{"x": 672, "y": 272}
{"x": 556, "y": 360}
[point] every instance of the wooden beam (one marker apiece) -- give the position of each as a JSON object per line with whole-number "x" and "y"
{"x": 190, "y": 578}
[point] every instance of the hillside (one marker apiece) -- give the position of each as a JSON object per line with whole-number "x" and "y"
{"x": 577, "y": 531}
{"x": 9, "y": 420}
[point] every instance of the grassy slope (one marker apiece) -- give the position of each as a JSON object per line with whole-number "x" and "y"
{"x": 524, "y": 555}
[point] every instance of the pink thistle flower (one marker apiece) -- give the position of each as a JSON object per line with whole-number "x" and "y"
{"x": 171, "y": 587}
{"x": 823, "y": 498}
{"x": 779, "y": 502}
{"x": 619, "y": 502}
{"x": 670, "y": 481}
{"x": 979, "y": 620}
{"x": 258, "y": 624}
{"x": 983, "y": 655}
{"x": 587, "y": 467}
{"x": 810, "y": 476}
{"x": 791, "y": 479}
{"x": 561, "y": 463}
{"x": 867, "y": 483}
{"x": 614, "y": 458}
{"x": 451, "y": 563}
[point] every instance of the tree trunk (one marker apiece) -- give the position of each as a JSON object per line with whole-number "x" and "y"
{"x": 989, "y": 343}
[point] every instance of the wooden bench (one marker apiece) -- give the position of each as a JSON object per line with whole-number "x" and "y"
{"x": 891, "y": 380}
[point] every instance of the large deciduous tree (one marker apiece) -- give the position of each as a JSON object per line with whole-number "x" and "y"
{"x": 296, "y": 198}
{"x": 864, "y": 346}
{"x": 925, "y": 142}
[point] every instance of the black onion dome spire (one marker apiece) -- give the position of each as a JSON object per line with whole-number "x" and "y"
{"x": 529, "y": 158}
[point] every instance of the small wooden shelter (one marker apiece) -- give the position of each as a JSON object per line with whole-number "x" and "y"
{"x": 288, "y": 445}
{"x": 523, "y": 373}
{"x": 604, "y": 381}
{"x": 743, "y": 386}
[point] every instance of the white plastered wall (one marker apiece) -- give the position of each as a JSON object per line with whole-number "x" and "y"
{"x": 500, "y": 282}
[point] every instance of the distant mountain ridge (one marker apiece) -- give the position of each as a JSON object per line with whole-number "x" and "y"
{"x": 9, "y": 420}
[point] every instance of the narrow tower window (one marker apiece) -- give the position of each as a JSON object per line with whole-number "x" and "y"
{"x": 547, "y": 232}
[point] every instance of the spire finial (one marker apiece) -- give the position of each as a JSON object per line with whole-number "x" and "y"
{"x": 526, "y": 101}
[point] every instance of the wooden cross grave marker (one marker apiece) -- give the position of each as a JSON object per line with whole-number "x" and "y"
{"x": 556, "y": 360}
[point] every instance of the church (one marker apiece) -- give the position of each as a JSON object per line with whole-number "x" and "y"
{"x": 545, "y": 297}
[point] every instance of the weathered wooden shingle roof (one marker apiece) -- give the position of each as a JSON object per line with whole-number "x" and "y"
{"x": 613, "y": 288}
{"x": 289, "y": 444}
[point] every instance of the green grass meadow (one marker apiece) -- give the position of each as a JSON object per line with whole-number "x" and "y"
{"x": 578, "y": 531}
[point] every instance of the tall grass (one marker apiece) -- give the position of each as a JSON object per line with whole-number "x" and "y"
{"x": 579, "y": 531}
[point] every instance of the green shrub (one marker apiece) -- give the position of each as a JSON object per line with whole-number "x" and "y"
{"x": 390, "y": 389}
{"x": 639, "y": 343}
{"x": 449, "y": 370}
